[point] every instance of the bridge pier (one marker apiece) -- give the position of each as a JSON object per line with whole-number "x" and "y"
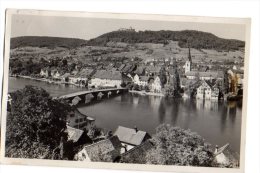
{"x": 84, "y": 97}
{"x": 100, "y": 95}
{"x": 109, "y": 93}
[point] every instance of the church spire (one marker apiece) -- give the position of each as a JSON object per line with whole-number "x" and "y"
{"x": 189, "y": 55}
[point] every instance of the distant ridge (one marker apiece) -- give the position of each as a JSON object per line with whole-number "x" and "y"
{"x": 186, "y": 38}
{"x": 49, "y": 42}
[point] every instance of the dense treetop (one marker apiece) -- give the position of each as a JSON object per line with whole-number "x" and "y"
{"x": 49, "y": 42}
{"x": 186, "y": 38}
{"x": 35, "y": 123}
{"x": 176, "y": 146}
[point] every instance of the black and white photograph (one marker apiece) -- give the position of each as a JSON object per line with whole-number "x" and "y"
{"x": 125, "y": 89}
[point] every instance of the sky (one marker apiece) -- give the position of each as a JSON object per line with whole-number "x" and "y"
{"x": 87, "y": 28}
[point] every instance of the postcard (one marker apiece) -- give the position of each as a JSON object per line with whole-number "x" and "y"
{"x": 125, "y": 91}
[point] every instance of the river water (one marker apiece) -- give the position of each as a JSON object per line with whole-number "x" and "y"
{"x": 217, "y": 122}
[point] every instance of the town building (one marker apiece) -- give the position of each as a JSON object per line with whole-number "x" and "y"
{"x": 78, "y": 120}
{"x": 208, "y": 75}
{"x": 140, "y": 80}
{"x": 130, "y": 138}
{"x": 235, "y": 80}
{"x": 188, "y": 63}
{"x": 107, "y": 150}
{"x": 45, "y": 72}
{"x": 65, "y": 77}
{"x": 208, "y": 91}
{"x": 152, "y": 70}
{"x": 106, "y": 78}
{"x": 156, "y": 86}
{"x": 78, "y": 137}
{"x": 55, "y": 74}
{"x": 82, "y": 77}
{"x": 137, "y": 154}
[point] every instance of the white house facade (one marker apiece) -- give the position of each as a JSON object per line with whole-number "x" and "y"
{"x": 207, "y": 92}
{"x": 156, "y": 85}
{"x": 104, "y": 78}
{"x": 141, "y": 81}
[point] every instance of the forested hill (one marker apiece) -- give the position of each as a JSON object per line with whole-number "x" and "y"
{"x": 50, "y": 42}
{"x": 196, "y": 39}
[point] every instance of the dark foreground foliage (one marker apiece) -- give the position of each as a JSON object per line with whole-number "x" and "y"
{"x": 36, "y": 123}
{"x": 176, "y": 146}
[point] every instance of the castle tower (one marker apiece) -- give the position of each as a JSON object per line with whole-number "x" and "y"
{"x": 188, "y": 63}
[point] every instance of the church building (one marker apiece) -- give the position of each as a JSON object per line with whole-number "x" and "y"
{"x": 188, "y": 63}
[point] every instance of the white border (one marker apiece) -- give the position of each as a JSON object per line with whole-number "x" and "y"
{"x": 233, "y": 8}
{"x": 10, "y": 12}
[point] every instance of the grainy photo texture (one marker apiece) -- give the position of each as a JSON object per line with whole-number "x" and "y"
{"x": 124, "y": 90}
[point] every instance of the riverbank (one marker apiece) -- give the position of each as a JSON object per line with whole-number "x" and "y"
{"x": 147, "y": 93}
{"x": 45, "y": 80}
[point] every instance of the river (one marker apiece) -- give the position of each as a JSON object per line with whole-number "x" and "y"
{"x": 217, "y": 122}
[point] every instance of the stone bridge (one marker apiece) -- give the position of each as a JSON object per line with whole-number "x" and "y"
{"x": 84, "y": 97}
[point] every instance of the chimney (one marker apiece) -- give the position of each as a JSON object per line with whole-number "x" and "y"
{"x": 125, "y": 147}
{"x": 110, "y": 134}
{"x": 216, "y": 149}
{"x": 136, "y": 130}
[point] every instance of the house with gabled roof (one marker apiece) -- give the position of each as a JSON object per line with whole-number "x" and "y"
{"x": 79, "y": 120}
{"x": 137, "y": 154}
{"x": 121, "y": 67}
{"x": 106, "y": 78}
{"x": 156, "y": 86}
{"x": 140, "y": 80}
{"x": 45, "y": 72}
{"x": 130, "y": 138}
{"x": 107, "y": 150}
{"x": 74, "y": 134}
{"x": 207, "y": 90}
{"x": 208, "y": 75}
{"x": 140, "y": 70}
{"x": 152, "y": 70}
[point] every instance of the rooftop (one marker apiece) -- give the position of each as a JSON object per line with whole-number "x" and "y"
{"x": 144, "y": 78}
{"x": 130, "y": 136}
{"x": 74, "y": 134}
{"x": 108, "y": 74}
{"x": 105, "y": 150}
{"x": 137, "y": 154}
{"x": 213, "y": 74}
{"x": 86, "y": 72}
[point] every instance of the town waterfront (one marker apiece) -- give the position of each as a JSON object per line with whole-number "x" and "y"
{"x": 216, "y": 121}
{"x": 54, "y": 89}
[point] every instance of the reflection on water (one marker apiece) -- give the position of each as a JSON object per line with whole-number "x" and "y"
{"x": 217, "y": 121}
{"x": 54, "y": 89}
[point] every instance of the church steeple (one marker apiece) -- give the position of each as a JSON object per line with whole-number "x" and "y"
{"x": 188, "y": 63}
{"x": 189, "y": 55}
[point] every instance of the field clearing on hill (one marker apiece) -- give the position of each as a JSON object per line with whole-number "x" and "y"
{"x": 145, "y": 51}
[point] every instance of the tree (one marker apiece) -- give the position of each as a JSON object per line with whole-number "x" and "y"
{"x": 163, "y": 77}
{"x": 176, "y": 146}
{"x": 94, "y": 132}
{"x": 35, "y": 123}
